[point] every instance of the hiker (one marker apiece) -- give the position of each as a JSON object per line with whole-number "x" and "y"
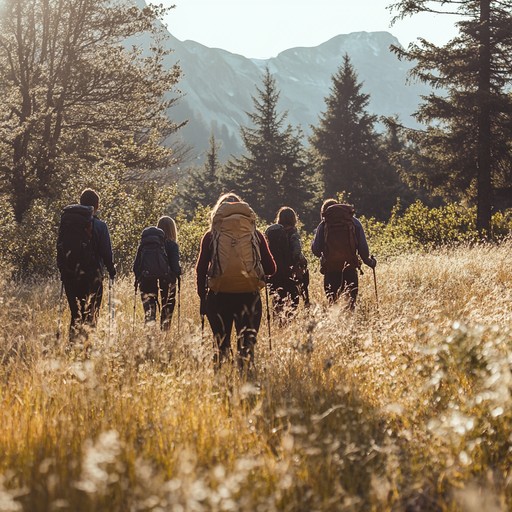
{"x": 157, "y": 268}
{"x": 285, "y": 246}
{"x": 339, "y": 243}
{"x": 84, "y": 250}
{"x": 231, "y": 268}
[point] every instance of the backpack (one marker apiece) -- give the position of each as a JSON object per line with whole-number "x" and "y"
{"x": 236, "y": 260}
{"x": 339, "y": 239}
{"x": 153, "y": 263}
{"x": 76, "y": 255}
{"x": 279, "y": 245}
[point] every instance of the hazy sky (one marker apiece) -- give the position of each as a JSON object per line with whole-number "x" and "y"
{"x": 263, "y": 28}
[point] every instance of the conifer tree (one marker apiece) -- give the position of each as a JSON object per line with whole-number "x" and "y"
{"x": 346, "y": 144}
{"x": 274, "y": 171}
{"x": 465, "y": 151}
{"x": 203, "y": 185}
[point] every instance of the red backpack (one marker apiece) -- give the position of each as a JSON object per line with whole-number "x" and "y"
{"x": 340, "y": 243}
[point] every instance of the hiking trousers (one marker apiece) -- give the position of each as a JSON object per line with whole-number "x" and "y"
{"x": 149, "y": 289}
{"x": 241, "y": 309}
{"x": 84, "y": 297}
{"x": 343, "y": 283}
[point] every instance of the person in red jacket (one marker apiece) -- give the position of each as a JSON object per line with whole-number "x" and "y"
{"x": 231, "y": 268}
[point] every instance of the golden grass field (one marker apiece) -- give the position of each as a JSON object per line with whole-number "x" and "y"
{"x": 404, "y": 407}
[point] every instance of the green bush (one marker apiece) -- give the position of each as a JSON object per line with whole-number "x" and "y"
{"x": 419, "y": 227}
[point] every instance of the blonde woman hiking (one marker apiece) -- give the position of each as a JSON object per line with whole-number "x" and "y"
{"x": 231, "y": 269}
{"x": 157, "y": 269}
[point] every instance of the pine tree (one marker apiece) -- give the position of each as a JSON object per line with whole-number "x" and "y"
{"x": 274, "y": 171}
{"x": 347, "y": 145}
{"x": 203, "y": 185}
{"x": 465, "y": 151}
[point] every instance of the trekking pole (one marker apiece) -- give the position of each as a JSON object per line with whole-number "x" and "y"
{"x": 110, "y": 311}
{"x": 179, "y": 303}
{"x": 113, "y": 313}
{"x": 59, "y": 321}
{"x": 375, "y": 284}
{"x": 268, "y": 320}
{"x": 134, "y": 304}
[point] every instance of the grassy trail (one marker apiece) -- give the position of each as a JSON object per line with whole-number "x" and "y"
{"x": 402, "y": 408}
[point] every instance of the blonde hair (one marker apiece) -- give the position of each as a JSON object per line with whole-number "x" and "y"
{"x": 168, "y": 226}
{"x": 228, "y": 197}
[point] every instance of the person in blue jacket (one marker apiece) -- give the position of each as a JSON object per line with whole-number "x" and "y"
{"x": 343, "y": 281}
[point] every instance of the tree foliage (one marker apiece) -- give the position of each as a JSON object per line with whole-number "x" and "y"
{"x": 347, "y": 147}
{"x": 76, "y": 96}
{"x": 466, "y": 150}
{"x": 203, "y": 185}
{"x": 275, "y": 170}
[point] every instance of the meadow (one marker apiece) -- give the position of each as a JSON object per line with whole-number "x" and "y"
{"x": 404, "y": 405}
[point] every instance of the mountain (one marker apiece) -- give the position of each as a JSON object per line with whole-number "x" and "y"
{"x": 217, "y": 85}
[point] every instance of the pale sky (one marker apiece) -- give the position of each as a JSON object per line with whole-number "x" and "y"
{"x": 263, "y": 28}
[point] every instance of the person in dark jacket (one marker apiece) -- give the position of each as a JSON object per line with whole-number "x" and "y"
{"x": 151, "y": 286}
{"x": 223, "y": 309}
{"x": 291, "y": 262}
{"x": 345, "y": 281}
{"x": 85, "y": 293}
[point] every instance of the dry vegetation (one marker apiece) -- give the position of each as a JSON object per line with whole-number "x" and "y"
{"x": 404, "y": 407}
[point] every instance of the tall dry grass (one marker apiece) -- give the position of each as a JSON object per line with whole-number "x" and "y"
{"x": 401, "y": 407}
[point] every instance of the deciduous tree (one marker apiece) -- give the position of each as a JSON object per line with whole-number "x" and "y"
{"x": 75, "y": 94}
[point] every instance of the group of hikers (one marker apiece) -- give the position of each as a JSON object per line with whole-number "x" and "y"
{"x": 236, "y": 261}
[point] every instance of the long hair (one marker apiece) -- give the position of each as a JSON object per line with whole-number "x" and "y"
{"x": 286, "y": 216}
{"x": 229, "y": 197}
{"x": 168, "y": 226}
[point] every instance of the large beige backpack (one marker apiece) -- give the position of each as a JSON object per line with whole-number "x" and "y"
{"x": 236, "y": 260}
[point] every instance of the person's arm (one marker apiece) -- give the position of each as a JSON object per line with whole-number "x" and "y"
{"x": 362, "y": 245}
{"x": 203, "y": 262}
{"x": 317, "y": 245}
{"x": 267, "y": 260}
{"x": 173, "y": 255}
{"x": 105, "y": 247}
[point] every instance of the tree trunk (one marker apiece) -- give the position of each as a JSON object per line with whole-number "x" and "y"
{"x": 484, "y": 192}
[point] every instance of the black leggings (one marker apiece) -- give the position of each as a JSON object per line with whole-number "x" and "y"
{"x": 242, "y": 309}
{"x": 149, "y": 294}
{"x": 343, "y": 283}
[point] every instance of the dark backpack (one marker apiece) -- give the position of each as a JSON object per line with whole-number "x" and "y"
{"x": 279, "y": 245}
{"x": 340, "y": 243}
{"x": 154, "y": 263}
{"x": 76, "y": 255}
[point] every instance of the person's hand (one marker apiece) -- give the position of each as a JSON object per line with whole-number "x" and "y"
{"x": 372, "y": 262}
{"x": 112, "y": 273}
